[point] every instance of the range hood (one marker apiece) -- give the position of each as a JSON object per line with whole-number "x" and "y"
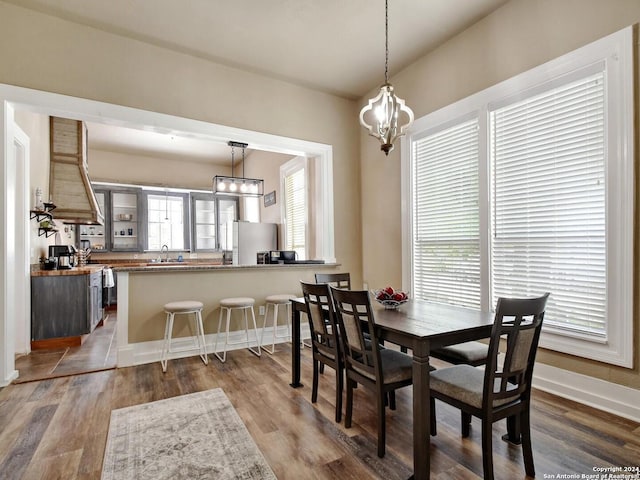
{"x": 69, "y": 183}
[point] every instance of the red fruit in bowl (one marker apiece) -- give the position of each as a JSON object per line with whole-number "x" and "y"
{"x": 399, "y": 296}
{"x": 381, "y": 295}
{"x": 389, "y": 291}
{"x": 404, "y": 296}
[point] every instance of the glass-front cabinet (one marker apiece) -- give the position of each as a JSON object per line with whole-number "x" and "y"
{"x": 125, "y": 220}
{"x": 96, "y": 237}
{"x": 204, "y": 236}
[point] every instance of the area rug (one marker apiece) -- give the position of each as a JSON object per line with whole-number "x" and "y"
{"x": 196, "y": 436}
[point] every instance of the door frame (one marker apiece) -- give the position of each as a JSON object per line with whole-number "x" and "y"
{"x": 46, "y": 103}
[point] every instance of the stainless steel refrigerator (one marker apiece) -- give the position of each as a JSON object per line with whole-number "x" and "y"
{"x": 250, "y": 238}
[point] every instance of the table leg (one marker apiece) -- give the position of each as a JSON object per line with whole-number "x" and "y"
{"x": 295, "y": 347}
{"x": 421, "y": 416}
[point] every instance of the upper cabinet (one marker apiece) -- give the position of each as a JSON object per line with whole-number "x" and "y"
{"x": 96, "y": 237}
{"x": 69, "y": 184}
{"x": 121, "y": 231}
{"x": 204, "y": 232}
{"x": 125, "y": 220}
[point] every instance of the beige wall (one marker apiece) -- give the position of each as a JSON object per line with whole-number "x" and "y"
{"x": 517, "y": 37}
{"x": 149, "y": 291}
{"x": 117, "y": 167}
{"x": 266, "y": 165}
{"x": 59, "y": 56}
{"x": 37, "y": 129}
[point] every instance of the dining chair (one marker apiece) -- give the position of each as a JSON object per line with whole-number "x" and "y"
{"x": 339, "y": 280}
{"x": 502, "y": 389}
{"x": 378, "y": 369}
{"x": 324, "y": 338}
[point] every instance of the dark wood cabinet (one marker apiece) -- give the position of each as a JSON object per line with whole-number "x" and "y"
{"x": 65, "y": 305}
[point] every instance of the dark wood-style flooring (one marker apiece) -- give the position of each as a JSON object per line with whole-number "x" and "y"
{"x": 57, "y": 428}
{"x": 98, "y": 352}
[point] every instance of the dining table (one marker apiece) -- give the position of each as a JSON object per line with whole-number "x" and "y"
{"x": 420, "y": 326}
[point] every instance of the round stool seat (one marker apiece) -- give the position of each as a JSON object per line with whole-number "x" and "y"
{"x": 183, "y": 306}
{"x": 280, "y": 299}
{"x": 237, "y": 302}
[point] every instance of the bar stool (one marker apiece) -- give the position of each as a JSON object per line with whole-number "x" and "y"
{"x": 275, "y": 301}
{"x": 237, "y": 303}
{"x": 184, "y": 307}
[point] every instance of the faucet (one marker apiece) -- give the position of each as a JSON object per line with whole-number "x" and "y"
{"x": 165, "y": 249}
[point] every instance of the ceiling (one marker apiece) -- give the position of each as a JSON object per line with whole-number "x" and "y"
{"x": 336, "y": 46}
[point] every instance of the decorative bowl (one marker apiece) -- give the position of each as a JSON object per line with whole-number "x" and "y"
{"x": 390, "y": 298}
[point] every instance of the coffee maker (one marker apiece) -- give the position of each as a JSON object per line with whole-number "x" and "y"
{"x": 65, "y": 255}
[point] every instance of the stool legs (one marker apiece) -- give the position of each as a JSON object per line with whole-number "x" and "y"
{"x": 202, "y": 346}
{"x": 275, "y": 326}
{"x": 255, "y": 350}
{"x": 166, "y": 346}
{"x": 198, "y": 338}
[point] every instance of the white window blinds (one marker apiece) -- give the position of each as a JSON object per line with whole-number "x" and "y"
{"x": 548, "y": 202}
{"x": 446, "y": 243}
{"x": 295, "y": 212}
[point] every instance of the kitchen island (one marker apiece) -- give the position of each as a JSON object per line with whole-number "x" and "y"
{"x": 143, "y": 289}
{"x": 66, "y": 305}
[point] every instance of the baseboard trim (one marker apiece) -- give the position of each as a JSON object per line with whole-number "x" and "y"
{"x": 150, "y": 352}
{"x": 10, "y": 378}
{"x": 600, "y": 394}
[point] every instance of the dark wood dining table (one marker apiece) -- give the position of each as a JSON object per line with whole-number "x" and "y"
{"x": 419, "y": 326}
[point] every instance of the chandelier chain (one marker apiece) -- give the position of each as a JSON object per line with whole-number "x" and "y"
{"x": 386, "y": 41}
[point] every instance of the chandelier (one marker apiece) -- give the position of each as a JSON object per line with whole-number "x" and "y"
{"x": 381, "y": 116}
{"x": 237, "y": 186}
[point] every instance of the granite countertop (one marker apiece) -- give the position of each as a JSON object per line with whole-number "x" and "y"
{"x": 85, "y": 270}
{"x": 190, "y": 267}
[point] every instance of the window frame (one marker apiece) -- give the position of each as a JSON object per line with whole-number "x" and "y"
{"x": 292, "y": 166}
{"x": 616, "y": 53}
{"x": 186, "y": 215}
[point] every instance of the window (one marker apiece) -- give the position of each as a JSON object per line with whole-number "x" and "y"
{"x": 548, "y": 202}
{"x": 446, "y": 246}
{"x": 167, "y": 221}
{"x": 527, "y": 187}
{"x": 294, "y": 188}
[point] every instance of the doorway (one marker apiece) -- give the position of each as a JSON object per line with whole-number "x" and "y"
{"x": 88, "y": 110}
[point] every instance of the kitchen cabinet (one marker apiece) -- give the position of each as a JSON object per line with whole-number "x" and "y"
{"x": 211, "y": 220}
{"x": 125, "y": 216}
{"x": 65, "y": 305}
{"x": 204, "y": 222}
{"x": 122, "y": 230}
{"x": 97, "y": 236}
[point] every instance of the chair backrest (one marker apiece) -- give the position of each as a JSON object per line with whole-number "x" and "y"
{"x": 354, "y": 314}
{"x": 339, "y": 280}
{"x": 322, "y": 323}
{"x": 519, "y": 321}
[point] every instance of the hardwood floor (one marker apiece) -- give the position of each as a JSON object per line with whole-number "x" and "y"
{"x": 57, "y": 428}
{"x": 98, "y": 352}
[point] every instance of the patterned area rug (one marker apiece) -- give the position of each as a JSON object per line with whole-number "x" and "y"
{"x": 196, "y": 436}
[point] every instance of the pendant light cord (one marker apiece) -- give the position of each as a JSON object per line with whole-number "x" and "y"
{"x": 232, "y": 162}
{"x": 242, "y": 162}
{"x": 386, "y": 41}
